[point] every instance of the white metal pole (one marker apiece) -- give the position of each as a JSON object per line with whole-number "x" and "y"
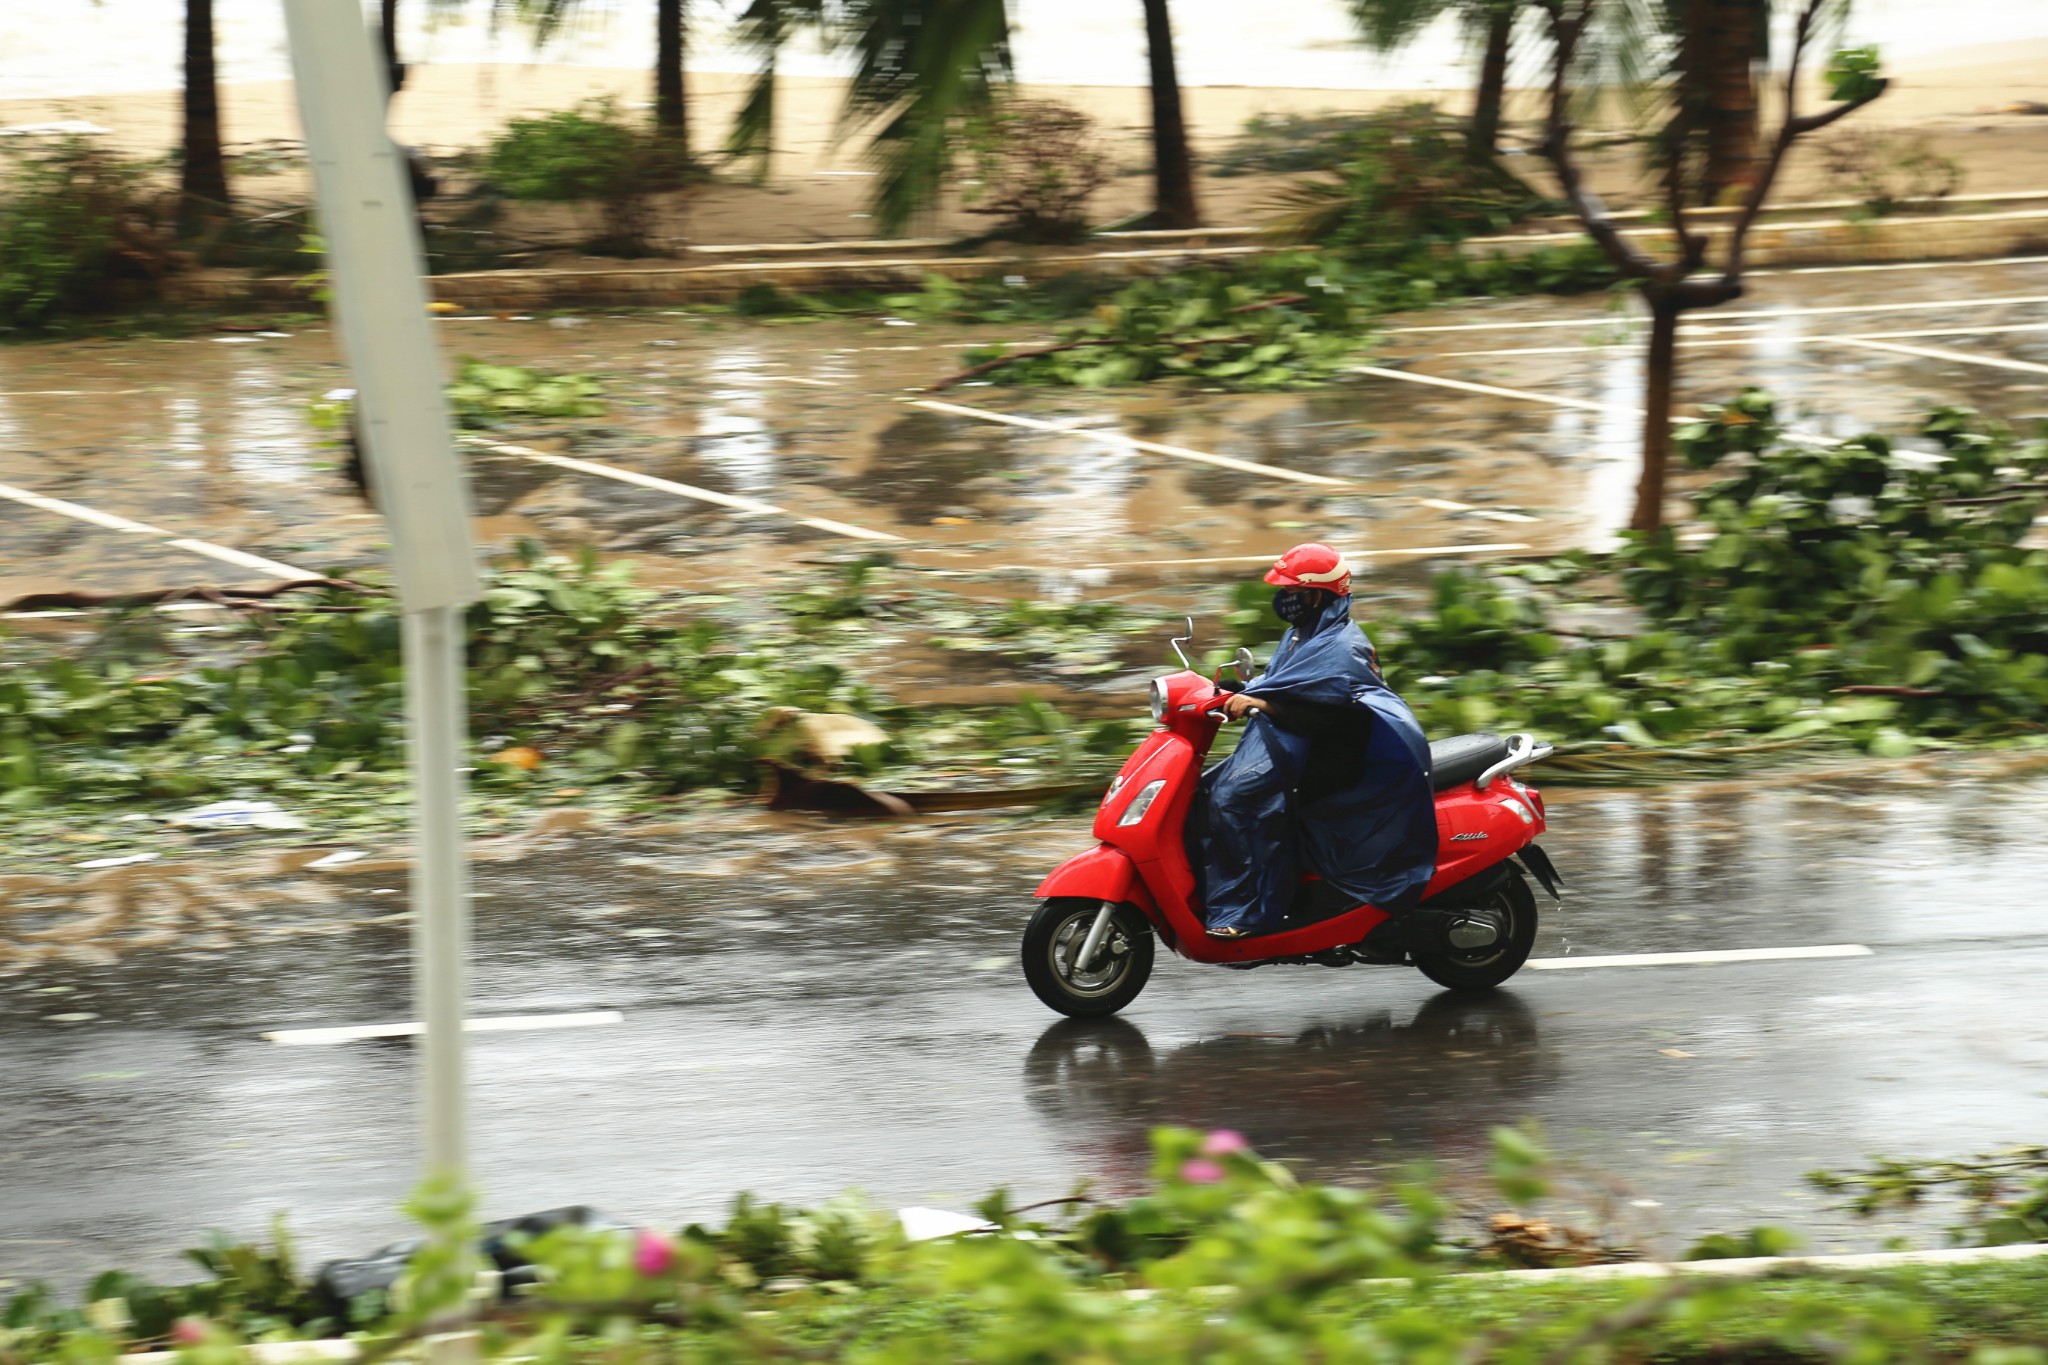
{"x": 436, "y": 721}
{"x": 376, "y": 265}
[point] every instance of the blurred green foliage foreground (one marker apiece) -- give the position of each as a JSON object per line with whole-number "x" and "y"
{"x": 1850, "y": 595}
{"x": 1227, "y": 1259}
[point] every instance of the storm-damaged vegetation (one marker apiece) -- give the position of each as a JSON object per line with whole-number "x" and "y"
{"x": 1846, "y": 596}
{"x": 1227, "y": 1258}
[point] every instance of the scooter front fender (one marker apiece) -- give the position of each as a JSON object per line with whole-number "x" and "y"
{"x": 1101, "y": 874}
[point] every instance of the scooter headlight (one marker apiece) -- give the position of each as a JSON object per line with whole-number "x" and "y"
{"x": 1141, "y": 803}
{"x": 1158, "y": 699}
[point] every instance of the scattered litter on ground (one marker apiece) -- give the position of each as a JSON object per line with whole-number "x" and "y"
{"x": 925, "y": 1225}
{"x": 236, "y": 815}
{"x": 341, "y": 857}
{"x": 124, "y": 861}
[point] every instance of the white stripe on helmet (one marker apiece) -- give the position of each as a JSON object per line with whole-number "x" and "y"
{"x": 1342, "y": 570}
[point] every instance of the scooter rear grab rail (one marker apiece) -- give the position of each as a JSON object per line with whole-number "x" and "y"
{"x": 1523, "y": 749}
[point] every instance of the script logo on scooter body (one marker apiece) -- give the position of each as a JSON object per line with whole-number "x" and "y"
{"x": 1461, "y": 838}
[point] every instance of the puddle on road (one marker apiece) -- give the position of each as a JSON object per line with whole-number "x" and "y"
{"x": 206, "y": 436}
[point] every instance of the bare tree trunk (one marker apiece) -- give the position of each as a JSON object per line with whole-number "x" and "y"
{"x": 1173, "y": 170}
{"x": 203, "y": 171}
{"x": 671, "y": 111}
{"x": 1662, "y": 375}
{"x": 1493, "y": 83}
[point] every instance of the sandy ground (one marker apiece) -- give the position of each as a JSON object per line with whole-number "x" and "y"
{"x": 1963, "y": 107}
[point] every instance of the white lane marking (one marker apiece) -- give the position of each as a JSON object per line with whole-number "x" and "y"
{"x": 79, "y": 512}
{"x": 1488, "y": 513}
{"x": 1752, "y": 337}
{"x": 110, "y": 522}
{"x": 1122, "y": 442}
{"x": 1716, "y": 315}
{"x": 72, "y": 393}
{"x": 1416, "y": 550}
{"x": 241, "y": 559}
{"x": 1936, "y": 353}
{"x": 751, "y": 506}
{"x": 515, "y": 1023}
{"x": 1892, "y": 265}
{"x": 1491, "y": 391}
{"x": 1559, "y": 964}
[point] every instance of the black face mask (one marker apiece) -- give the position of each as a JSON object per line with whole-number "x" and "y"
{"x": 1297, "y": 608}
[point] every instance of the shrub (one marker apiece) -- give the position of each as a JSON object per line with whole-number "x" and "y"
{"x": 1404, "y": 180}
{"x": 590, "y": 154}
{"x": 1886, "y": 171}
{"x": 1289, "y": 142}
{"x": 80, "y": 228}
{"x": 1038, "y": 165}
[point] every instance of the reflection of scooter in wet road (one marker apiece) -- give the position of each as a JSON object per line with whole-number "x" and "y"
{"x": 1088, "y": 949}
{"x": 1431, "y": 1081}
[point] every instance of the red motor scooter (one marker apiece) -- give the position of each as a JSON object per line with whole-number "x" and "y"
{"x": 1088, "y": 948}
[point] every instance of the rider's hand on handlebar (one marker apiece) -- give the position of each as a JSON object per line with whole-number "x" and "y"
{"x": 1237, "y": 705}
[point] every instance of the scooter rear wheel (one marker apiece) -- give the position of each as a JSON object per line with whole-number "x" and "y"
{"x": 1513, "y": 902}
{"x": 1053, "y": 940}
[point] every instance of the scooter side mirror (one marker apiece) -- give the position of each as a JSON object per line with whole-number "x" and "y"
{"x": 1247, "y": 666}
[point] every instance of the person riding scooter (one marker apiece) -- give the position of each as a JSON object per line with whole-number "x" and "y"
{"x": 1332, "y": 774}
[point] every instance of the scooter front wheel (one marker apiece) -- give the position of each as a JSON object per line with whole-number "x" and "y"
{"x": 1121, "y": 965}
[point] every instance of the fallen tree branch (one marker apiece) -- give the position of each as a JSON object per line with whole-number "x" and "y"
{"x": 1280, "y": 301}
{"x": 975, "y": 371}
{"x": 985, "y": 366}
{"x": 222, "y": 597}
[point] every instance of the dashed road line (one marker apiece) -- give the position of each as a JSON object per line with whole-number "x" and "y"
{"x": 109, "y": 521}
{"x": 241, "y": 559}
{"x": 1121, "y": 442}
{"x": 80, "y": 512}
{"x": 1751, "y": 314}
{"x": 1879, "y": 266}
{"x": 1558, "y": 964}
{"x": 750, "y": 506}
{"x": 1936, "y": 353}
{"x": 516, "y": 1023}
{"x": 1494, "y": 391}
{"x": 1752, "y": 337}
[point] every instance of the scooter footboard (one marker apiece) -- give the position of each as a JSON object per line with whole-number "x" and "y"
{"x": 1102, "y": 874}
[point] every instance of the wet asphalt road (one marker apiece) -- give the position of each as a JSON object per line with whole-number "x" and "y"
{"x": 810, "y": 1009}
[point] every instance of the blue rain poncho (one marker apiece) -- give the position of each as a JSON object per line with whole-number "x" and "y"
{"x": 1250, "y": 835}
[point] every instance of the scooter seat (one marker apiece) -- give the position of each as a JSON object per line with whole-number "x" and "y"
{"x": 1454, "y": 762}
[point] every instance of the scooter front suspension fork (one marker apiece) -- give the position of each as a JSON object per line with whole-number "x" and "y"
{"x": 1097, "y": 932}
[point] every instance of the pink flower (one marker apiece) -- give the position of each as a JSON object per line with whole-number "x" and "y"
{"x": 188, "y": 1331}
{"x": 1223, "y": 1142}
{"x": 1200, "y": 1172}
{"x": 653, "y": 1254}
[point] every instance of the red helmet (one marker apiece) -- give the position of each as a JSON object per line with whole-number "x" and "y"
{"x": 1312, "y": 566}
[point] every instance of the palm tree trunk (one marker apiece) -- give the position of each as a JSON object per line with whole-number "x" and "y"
{"x": 671, "y": 111}
{"x": 1721, "y": 46}
{"x": 1493, "y": 83}
{"x": 1662, "y": 378}
{"x": 1173, "y": 170}
{"x": 387, "y": 35}
{"x": 203, "y": 172}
